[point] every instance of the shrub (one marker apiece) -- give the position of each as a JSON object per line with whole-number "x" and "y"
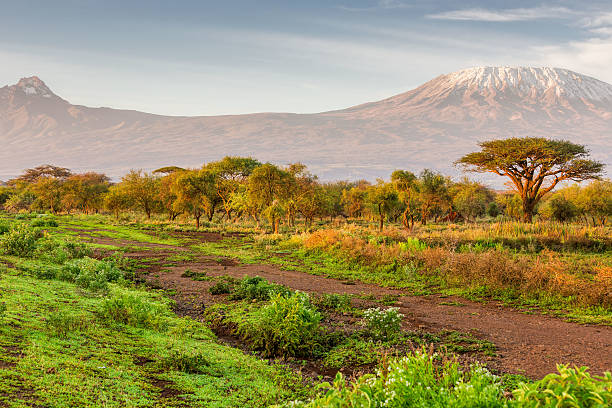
{"x": 90, "y": 273}
{"x": 62, "y": 323}
{"x": 334, "y": 301}
{"x": 288, "y": 326}
{"x": 20, "y": 240}
{"x": 191, "y": 362}
{"x": 256, "y": 288}
{"x": 383, "y": 323}
{"x": 220, "y": 288}
{"x": 45, "y": 272}
{"x": 61, "y": 251}
{"x": 2, "y": 309}
{"x": 135, "y": 309}
{"x": 4, "y": 228}
{"x": 569, "y": 388}
{"x": 416, "y": 381}
{"x": 44, "y": 222}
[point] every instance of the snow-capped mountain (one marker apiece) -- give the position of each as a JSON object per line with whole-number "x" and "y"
{"x": 429, "y": 126}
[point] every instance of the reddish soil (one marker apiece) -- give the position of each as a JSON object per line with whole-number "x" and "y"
{"x": 528, "y": 344}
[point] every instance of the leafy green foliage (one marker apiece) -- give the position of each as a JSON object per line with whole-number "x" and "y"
{"x": 135, "y": 309}
{"x": 60, "y": 251}
{"x": 288, "y": 326}
{"x": 256, "y": 288}
{"x": 334, "y": 301}
{"x": 417, "y": 380}
{"x": 90, "y": 273}
{"x": 187, "y": 361}
{"x": 20, "y": 240}
{"x": 220, "y": 288}
{"x": 383, "y": 323}
{"x": 63, "y": 322}
{"x": 48, "y": 222}
{"x": 571, "y": 387}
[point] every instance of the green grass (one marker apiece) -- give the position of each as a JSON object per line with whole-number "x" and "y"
{"x": 60, "y": 352}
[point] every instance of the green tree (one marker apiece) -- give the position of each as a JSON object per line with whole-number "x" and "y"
{"x": 269, "y": 186}
{"x": 167, "y": 191}
{"x": 85, "y": 191}
{"x": 559, "y": 208}
{"x": 595, "y": 200}
{"x": 194, "y": 190}
{"x": 470, "y": 198}
{"x": 533, "y": 165}
{"x": 232, "y": 172}
{"x": 115, "y": 200}
{"x": 383, "y": 197}
{"x": 406, "y": 186}
{"x": 354, "y": 200}
{"x": 433, "y": 193}
{"x": 48, "y": 191}
{"x": 142, "y": 190}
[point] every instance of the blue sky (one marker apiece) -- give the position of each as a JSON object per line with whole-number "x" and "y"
{"x": 212, "y": 57}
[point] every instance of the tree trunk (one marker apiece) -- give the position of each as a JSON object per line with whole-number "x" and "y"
{"x": 197, "y": 219}
{"x": 276, "y": 222}
{"x": 528, "y": 207}
{"x": 382, "y": 218}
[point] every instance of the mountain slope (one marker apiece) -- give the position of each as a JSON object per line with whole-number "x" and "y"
{"x": 430, "y": 126}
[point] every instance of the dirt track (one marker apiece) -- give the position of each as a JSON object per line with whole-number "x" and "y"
{"x": 527, "y": 344}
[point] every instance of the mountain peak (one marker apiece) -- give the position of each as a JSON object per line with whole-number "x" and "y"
{"x": 530, "y": 81}
{"x": 34, "y": 86}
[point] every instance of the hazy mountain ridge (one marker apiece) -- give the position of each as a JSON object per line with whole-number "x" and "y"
{"x": 429, "y": 126}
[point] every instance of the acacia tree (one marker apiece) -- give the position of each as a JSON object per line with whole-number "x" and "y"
{"x": 231, "y": 173}
{"x": 433, "y": 193}
{"x": 193, "y": 190}
{"x": 353, "y": 200}
{"x": 406, "y": 185}
{"x": 470, "y": 198}
{"x": 85, "y": 191}
{"x": 115, "y": 200}
{"x": 142, "y": 190}
{"x": 268, "y": 186}
{"x": 382, "y": 196}
{"x": 534, "y": 165}
{"x": 48, "y": 191}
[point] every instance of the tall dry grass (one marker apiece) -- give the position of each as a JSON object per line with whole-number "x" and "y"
{"x": 587, "y": 283}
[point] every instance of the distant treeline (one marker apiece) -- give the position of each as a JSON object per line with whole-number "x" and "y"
{"x": 237, "y": 188}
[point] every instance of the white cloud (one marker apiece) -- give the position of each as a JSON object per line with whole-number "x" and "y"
{"x": 507, "y": 15}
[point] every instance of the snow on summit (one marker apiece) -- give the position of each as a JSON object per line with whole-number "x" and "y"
{"x": 527, "y": 80}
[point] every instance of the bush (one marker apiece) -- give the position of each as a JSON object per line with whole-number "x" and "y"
{"x": 4, "y": 228}
{"x": 220, "y": 288}
{"x": 61, "y": 251}
{"x": 45, "y": 271}
{"x": 334, "y": 301}
{"x": 383, "y": 324}
{"x": 20, "y": 240}
{"x": 90, "y": 273}
{"x": 257, "y": 288}
{"x": 493, "y": 209}
{"x": 416, "y": 381}
{"x": 62, "y": 323}
{"x": 44, "y": 222}
{"x": 135, "y": 309}
{"x": 288, "y": 326}
{"x": 191, "y": 362}
{"x": 569, "y": 388}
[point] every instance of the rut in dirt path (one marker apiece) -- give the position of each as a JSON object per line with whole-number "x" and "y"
{"x": 527, "y": 344}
